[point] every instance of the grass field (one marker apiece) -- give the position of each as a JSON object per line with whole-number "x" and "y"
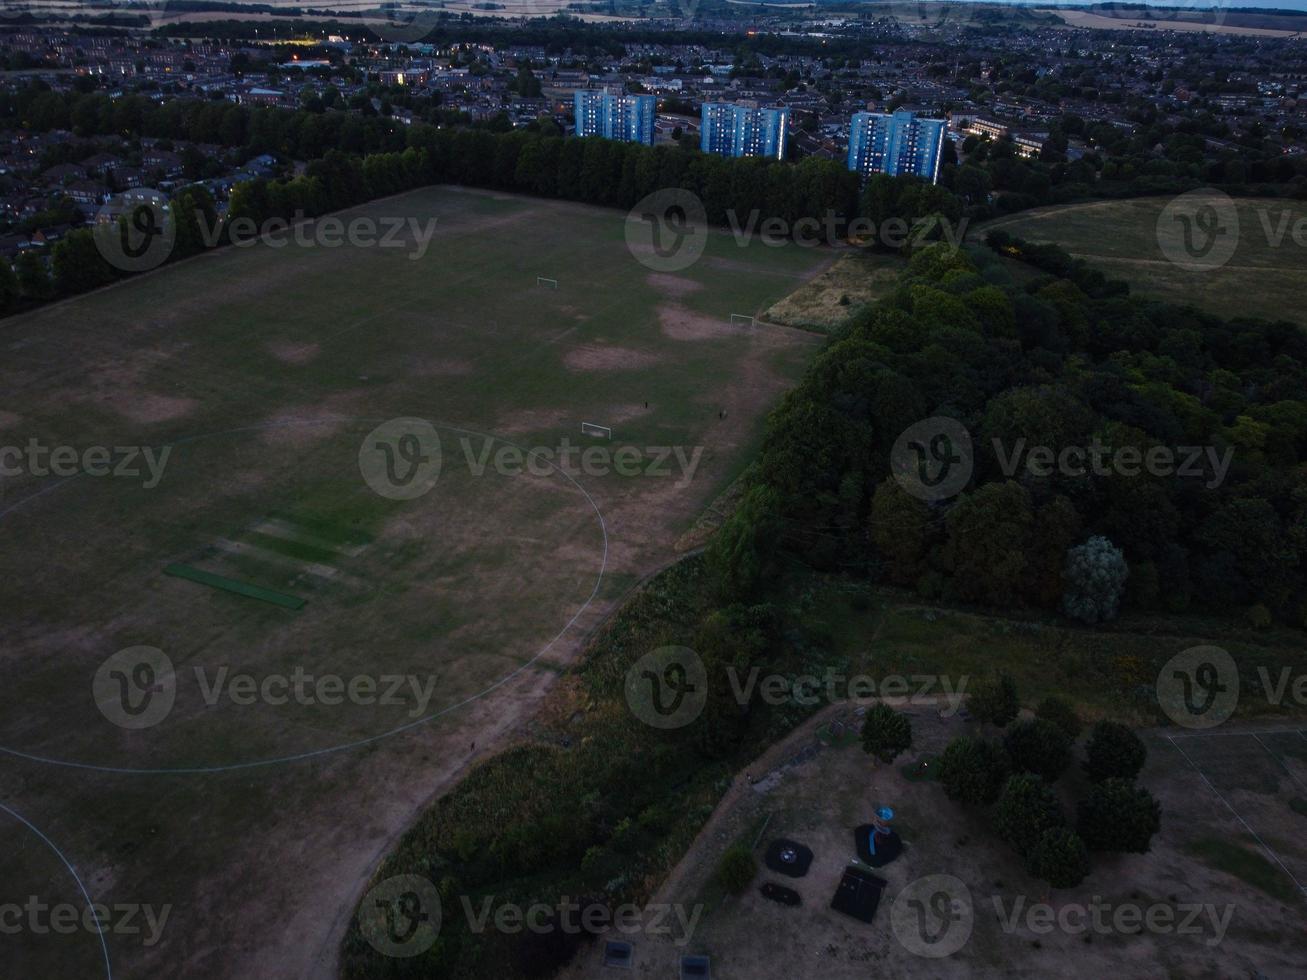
{"x": 1262, "y": 278}
{"x": 262, "y": 371}
{"x": 854, "y": 280}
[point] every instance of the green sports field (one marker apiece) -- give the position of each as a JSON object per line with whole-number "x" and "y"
{"x": 260, "y": 549}
{"x": 1262, "y": 277}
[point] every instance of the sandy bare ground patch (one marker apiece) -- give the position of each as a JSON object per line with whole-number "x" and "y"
{"x": 820, "y": 801}
{"x": 682, "y": 323}
{"x": 606, "y": 357}
{"x": 303, "y": 425}
{"x": 290, "y": 352}
{"x": 122, "y": 383}
{"x": 147, "y": 407}
{"x": 674, "y": 286}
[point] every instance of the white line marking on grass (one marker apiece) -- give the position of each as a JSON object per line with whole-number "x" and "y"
{"x": 1287, "y": 771}
{"x": 100, "y": 927}
{"x": 358, "y": 743}
{"x": 1237, "y": 815}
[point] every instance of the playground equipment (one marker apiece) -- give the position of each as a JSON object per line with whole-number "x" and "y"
{"x": 877, "y": 842}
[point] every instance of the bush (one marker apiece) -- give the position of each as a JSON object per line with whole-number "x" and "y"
{"x": 1117, "y": 815}
{"x": 736, "y": 869}
{"x": 885, "y": 732}
{"x": 1038, "y": 746}
{"x": 973, "y": 770}
{"x": 1060, "y": 858}
{"x": 1060, "y": 713}
{"x": 1113, "y": 751}
{"x": 1026, "y": 808}
{"x": 994, "y": 701}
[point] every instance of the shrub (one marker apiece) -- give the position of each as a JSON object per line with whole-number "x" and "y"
{"x": 994, "y": 701}
{"x": 1060, "y": 713}
{"x": 1026, "y": 808}
{"x": 1060, "y": 858}
{"x": 736, "y": 869}
{"x": 1038, "y": 746}
{"x": 973, "y": 770}
{"x": 885, "y": 732}
{"x": 1113, "y": 750}
{"x": 1117, "y": 815}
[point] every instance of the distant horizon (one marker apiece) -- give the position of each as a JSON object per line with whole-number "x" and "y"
{"x": 1269, "y": 6}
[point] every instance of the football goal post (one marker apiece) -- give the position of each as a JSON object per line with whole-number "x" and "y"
{"x": 742, "y": 318}
{"x": 546, "y": 282}
{"x": 598, "y": 431}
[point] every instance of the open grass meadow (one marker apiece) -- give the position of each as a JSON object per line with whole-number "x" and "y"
{"x": 1261, "y": 278}
{"x": 250, "y": 384}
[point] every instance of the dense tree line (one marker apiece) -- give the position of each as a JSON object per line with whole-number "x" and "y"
{"x": 593, "y": 171}
{"x": 1067, "y": 364}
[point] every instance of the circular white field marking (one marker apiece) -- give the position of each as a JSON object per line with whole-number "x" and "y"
{"x": 358, "y": 742}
